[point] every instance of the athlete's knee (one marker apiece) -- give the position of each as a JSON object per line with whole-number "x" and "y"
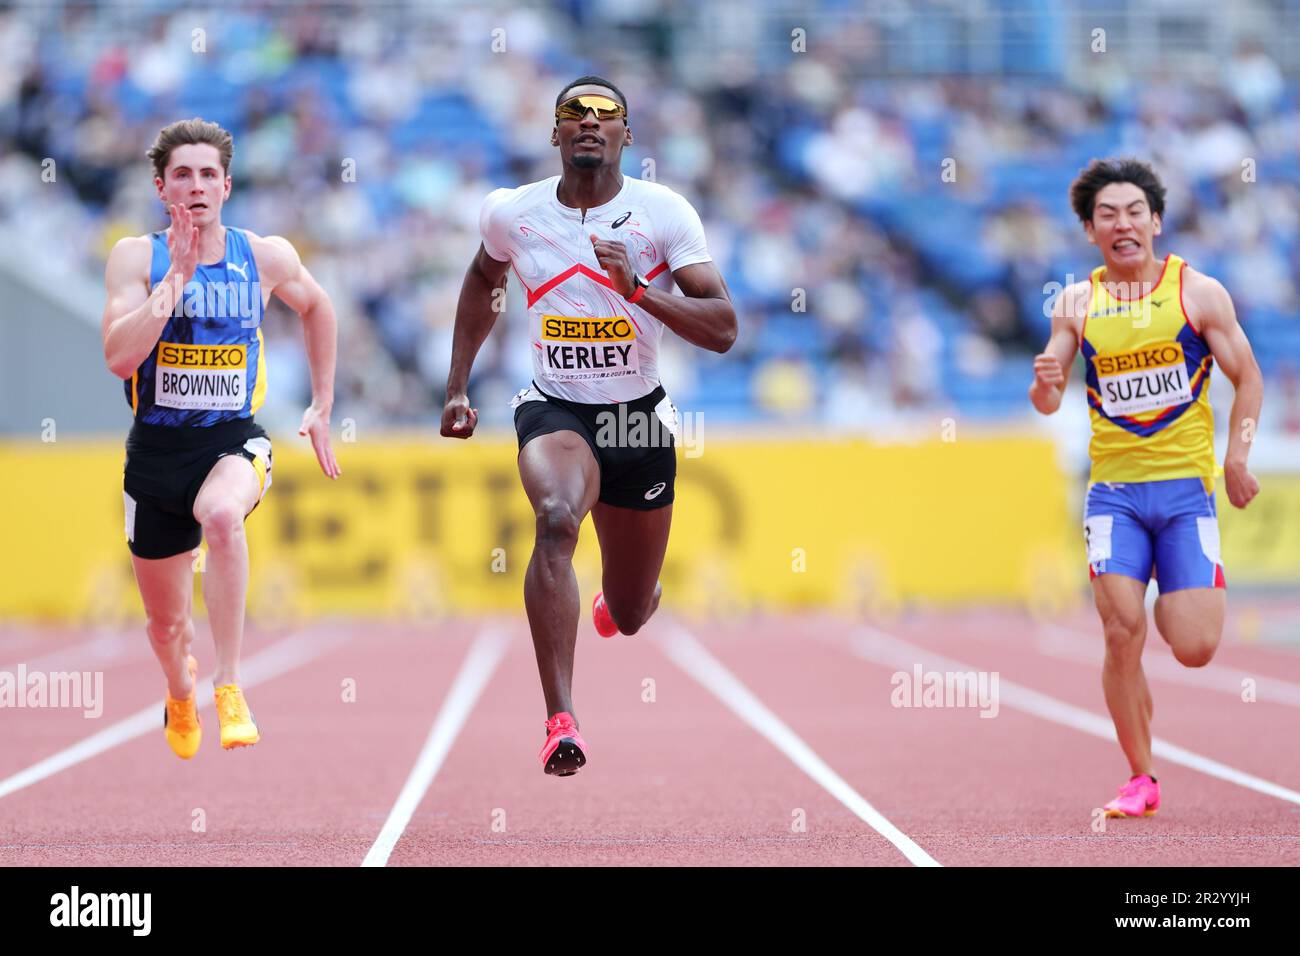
{"x": 1196, "y": 651}
{"x": 557, "y": 526}
{"x": 628, "y": 615}
{"x": 222, "y": 521}
{"x": 1125, "y": 634}
{"x": 1191, "y": 631}
{"x": 167, "y": 629}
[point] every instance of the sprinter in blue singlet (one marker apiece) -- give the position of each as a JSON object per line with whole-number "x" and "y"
{"x": 182, "y": 328}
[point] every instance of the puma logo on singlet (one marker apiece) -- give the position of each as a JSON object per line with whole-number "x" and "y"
{"x": 239, "y": 268}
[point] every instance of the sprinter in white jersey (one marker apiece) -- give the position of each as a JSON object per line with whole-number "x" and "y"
{"x": 597, "y": 255}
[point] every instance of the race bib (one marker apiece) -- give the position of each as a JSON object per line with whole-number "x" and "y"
{"x": 575, "y": 349}
{"x": 1141, "y": 380}
{"x": 201, "y": 376}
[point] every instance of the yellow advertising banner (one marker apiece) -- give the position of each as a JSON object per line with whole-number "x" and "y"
{"x": 423, "y": 526}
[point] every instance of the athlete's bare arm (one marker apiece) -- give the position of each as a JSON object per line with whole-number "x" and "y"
{"x": 476, "y": 313}
{"x": 282, "y": 271}
{"x": 134, "y": 315}
{"x": 702, "y": 314}
{"x": 1052, "y": 367}
{"x": 1209, "y": 308}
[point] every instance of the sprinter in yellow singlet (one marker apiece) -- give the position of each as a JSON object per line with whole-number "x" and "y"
{"x": 1150, "y": 331}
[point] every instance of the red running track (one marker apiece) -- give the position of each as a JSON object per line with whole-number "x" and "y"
{"x": 677, "y": 775}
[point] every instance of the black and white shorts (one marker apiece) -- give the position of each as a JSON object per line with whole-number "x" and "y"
{"x": 166, "y": 466}
{"x": 633, "y": 442}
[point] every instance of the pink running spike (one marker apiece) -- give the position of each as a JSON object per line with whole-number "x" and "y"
{"x": 1140, "y": 797}
{"x": 565, "y": 752}
{"x": 600, "y": 616}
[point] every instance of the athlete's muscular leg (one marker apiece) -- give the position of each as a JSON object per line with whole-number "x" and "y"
{"x": 1123, "y": 614}
{"x": 166, "y": 586}
{"x": 1191, "y": 622}
{"x": 562, "y": 480}
{"x": 632, "y": 546}
{"x": 228, "y": 494}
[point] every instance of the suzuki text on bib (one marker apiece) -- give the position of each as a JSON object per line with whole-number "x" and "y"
{"x": 1140, "y": 380}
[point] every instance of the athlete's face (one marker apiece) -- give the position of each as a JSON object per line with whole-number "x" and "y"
{"x": 196, "y": 180}
{"x": 1123, "y": 226}
{"x": 590, "y": 142}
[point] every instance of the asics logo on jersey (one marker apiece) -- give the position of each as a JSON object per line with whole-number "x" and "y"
{"x": 240, "y": 268}
{"x": 620, "y": 220}
{"x": 655, "y": 491}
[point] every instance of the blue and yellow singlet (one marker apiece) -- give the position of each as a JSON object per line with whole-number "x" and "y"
{"x": 1148, "y": 376}
{"x": 209, "y": 365}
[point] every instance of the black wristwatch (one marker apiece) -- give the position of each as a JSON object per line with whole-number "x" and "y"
{"x": 640, "y": 283}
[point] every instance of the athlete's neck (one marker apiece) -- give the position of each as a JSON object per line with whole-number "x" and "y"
{"x": 1144, "y": 274}
{"x": 587, "y": 188}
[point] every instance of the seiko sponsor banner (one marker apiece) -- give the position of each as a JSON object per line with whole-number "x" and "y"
{"x": 1144, "y": 379}
{"x": 201, "y": 376}
{"x": 412, "y": 532}
{"x": 575, "y": 348}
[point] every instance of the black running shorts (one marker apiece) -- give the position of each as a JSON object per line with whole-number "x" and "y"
{"x": 165, "y": 468}
{"x": 633, "y": 441}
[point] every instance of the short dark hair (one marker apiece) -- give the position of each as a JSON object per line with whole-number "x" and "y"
{"x": 185, "y": 132}
{"x": 1103, "y": 172}
{"x": 594, "y": 81}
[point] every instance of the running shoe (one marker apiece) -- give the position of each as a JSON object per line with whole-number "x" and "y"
{"x": 600, "y": 616}
{"x": 1140, "y": 797}
{"x": 565, "y": 750}
{"x": 237, "y": 727}
{"x": 181, "y": 724}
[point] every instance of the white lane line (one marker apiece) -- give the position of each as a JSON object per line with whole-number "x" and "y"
{"x": 279, "y": 658}
{"x": 1068, "y": 644}
{"x": 889, "y": 651}
{"x": 691, "y": 656}
{"x": 480, "y": 662}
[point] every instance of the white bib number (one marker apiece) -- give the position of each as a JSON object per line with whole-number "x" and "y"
{"x": 1143, "y": 380}
{"x": 576, "y": 349}
{"x": 213, "y": 377}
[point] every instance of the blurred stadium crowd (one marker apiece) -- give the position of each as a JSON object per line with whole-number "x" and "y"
{"x": 919, "y": 221}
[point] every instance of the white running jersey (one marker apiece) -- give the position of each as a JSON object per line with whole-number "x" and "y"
{"x": 589, "y": 344}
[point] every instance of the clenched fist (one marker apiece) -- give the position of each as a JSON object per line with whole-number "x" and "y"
{"x": 612, "y": 256}
{"x": 458, "y": 419}
{"x": 1242, "y": 485}
{"x": 1048, "y": 371}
